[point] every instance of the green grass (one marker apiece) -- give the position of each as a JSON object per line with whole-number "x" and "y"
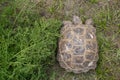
{"x": 29, "y": 35}
{"x": 27, "y": 44}
{"x": 93, "y": 1}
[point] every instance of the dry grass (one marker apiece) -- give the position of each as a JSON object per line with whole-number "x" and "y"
{"x": 106, "y": 17}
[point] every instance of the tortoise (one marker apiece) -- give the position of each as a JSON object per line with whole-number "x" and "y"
{"x": 77, "y": 47}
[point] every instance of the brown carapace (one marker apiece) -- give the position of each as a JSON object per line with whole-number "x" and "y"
{"x": 78, "y": 49}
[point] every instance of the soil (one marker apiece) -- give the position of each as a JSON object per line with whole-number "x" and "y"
{"x": 95, "y": 9}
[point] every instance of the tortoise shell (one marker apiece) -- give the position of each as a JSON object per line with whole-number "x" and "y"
{"x": 78, "y": 49}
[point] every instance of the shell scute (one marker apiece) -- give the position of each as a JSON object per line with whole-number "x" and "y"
{"x": 78, "y": 48}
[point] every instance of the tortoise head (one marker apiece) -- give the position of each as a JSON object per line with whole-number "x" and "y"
{"x": 76, "y": 20}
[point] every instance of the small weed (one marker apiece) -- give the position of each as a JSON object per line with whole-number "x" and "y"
{"x": 118, "y": 54}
